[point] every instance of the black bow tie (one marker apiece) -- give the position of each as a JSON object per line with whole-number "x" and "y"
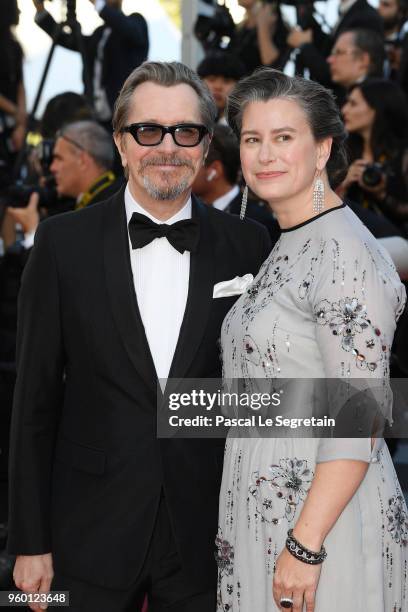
{"x": 183, "y": 235}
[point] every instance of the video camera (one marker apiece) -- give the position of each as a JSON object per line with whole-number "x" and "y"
{"x": 214, "y": 24}
{"x": 18, "y": 191}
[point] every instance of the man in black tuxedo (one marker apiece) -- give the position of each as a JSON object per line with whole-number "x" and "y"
{"x": 112, "y": 51}
{"x": 113, "y": 297}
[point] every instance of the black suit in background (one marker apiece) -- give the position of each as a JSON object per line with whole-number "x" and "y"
{"x": 258, "y": 211}
{"x": 87, "y": 471}
{"x": 313, "y": 56}
{"x": 125, "y": 49}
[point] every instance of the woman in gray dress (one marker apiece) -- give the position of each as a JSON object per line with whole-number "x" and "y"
{"x": 323, "y": 305}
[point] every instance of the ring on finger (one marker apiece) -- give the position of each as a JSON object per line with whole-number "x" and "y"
{"x": 286, "y": 602}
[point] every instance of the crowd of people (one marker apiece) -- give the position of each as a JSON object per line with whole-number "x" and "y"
{"x": 73, "y": 158}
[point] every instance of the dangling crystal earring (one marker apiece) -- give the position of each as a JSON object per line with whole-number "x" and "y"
{"x": 318, "y": 196}
{"x": 244, "y": 203}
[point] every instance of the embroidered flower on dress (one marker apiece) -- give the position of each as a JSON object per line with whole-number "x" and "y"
{"x": 293, "y": 478}
{"x": 345, "y": 318}
{"x": 398, "y": 519}
{"x": 289, "y": 484}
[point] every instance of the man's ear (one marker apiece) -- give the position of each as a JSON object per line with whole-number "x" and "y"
{"x": 121, "y": 147}
{"x": 323, "y": 153}
{"x": 365, "y": 61}
{"x": 84, "y": 158}
{"x": 218, "y": 166}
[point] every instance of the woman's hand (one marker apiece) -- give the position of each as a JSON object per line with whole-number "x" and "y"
{"x": 296, "y": 580}
{"x": 266, "y": 17}
{"x": 298, "y": 37}
{"x": 355, "y": 172}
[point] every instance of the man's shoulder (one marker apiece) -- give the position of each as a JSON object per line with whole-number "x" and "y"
{"x": 77, "y": 220}
{"x": 361, "y": 10}
{"x": 137, "y": 16}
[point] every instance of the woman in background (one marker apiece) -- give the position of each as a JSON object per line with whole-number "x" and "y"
{"x": 376, "y": 119}
{"x": 260, "y": 39}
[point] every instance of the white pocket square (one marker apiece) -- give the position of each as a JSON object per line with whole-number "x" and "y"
{"x": 235, "y": 286}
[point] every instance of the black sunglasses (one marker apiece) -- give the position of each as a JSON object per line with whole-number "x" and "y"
{"x": 152, "y": 134}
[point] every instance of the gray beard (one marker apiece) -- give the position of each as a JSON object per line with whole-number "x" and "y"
{"x": 172, "y": 192}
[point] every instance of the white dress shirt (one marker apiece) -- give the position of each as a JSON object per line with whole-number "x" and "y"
{"x": 222, "y": 202}
{"x": 161, "y": 277}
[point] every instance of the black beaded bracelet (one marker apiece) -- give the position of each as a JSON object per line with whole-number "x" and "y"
{"x": 302, "y": 553}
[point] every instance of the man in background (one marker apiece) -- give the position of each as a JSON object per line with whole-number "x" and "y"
{"x": 394, "y": 16}
{"x": 112, "y": 51}
{"x": 315, "y": 45}
{"x": 82, "y": 161}
{"x": 221, "y": 71}
{"x": 356, "y": 55}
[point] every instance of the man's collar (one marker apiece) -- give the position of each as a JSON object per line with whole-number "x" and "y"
{"x": 222, "y": 202}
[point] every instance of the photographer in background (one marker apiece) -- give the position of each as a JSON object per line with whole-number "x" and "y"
{"x": 113, "y": 50}
{"x": 221, "y": 71}
{"x": 315, "y": 45}
{"x": 82, "y": 161}
{"x": 376, "y": 118}
{"x": 260, "y": 39}
{"x": 217, "y": 182}
{"x": 13, "y": 115}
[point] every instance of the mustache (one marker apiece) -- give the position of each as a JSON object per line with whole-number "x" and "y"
{"x": 162, "y": 160}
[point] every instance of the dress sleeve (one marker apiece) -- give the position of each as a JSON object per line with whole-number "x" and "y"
{"x": 356, "y": 300}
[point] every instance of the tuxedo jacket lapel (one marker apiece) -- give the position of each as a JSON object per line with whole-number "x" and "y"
{"x": 120, "y": 285}
{"x": 199, "y": 299}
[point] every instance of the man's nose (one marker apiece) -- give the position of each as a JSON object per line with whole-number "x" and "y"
{"x": 168, "y": 144}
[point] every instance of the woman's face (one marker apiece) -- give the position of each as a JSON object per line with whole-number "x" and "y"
{"x": 279, "y": 154}
{"x": 358, "y": 115}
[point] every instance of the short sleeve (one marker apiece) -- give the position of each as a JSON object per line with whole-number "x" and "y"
{"x": 356, "y": 300}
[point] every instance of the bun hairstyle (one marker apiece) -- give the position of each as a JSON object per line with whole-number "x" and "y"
{"x": 317, "y": 102}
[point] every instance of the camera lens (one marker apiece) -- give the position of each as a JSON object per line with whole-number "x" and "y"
{"x": 372, "y": 175}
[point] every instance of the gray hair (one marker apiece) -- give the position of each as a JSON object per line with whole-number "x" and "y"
{"x": 370, "y": 42}
{"x": 92, "y": 138}
{"x": 317, "y": 102}
{"x": 166, "y": 74}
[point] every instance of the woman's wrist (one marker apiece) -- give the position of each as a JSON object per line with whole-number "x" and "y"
{"x": 310, "y": 538}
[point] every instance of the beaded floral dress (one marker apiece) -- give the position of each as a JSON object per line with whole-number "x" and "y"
{"x": 323, "y": 305}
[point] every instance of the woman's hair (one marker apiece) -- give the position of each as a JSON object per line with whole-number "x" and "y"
{"x": 317, "y": 102}
{"x": 389, "y": 133}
